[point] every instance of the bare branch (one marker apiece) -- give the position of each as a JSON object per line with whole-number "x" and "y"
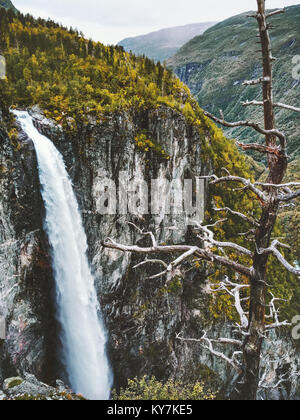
{"x": 268, "y": 15}
{"x": 273, "y": 250}
{"x": 248, "y": 233}
{"x": 236, "y": 213}
{"x": 151, "y": 262}
{"x": 208, "y": 236}
{"x": 278, "y": 186}
{"x": 278, "y": 325}
{"x": 256, "y": 81}
{"x": 260, "y": 148}
{"x": 154, "y": 243}
{"x": 284, "y": 106}
{"x": 184, "y": 256}
{"x": 232, "y": 362}
{"x": 253, "y": 16}
{"x": 225, "y": 341}
{"x": 235, "y": 292}
{"x": 252, "y": 103}
{"x": 226, "y": 262}
{"x": 230, "y": 341}
{"x": 289, "y": 197}
{"x": 246, "y": 182}
{"x": 250, "y": 124}
{"x": 275, "y": 12}
{"x": 111, "y": 244}
{"x": 285, "y": 206}
{"x": 185, "y": 249}
{"x": 276, "y": 105}
{"x": 283, "y": 378}
{"x": 274, "y": 314}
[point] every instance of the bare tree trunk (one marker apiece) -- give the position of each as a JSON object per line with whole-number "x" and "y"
{"x": 253, "y": 343}
{"x": 277, "y": 166}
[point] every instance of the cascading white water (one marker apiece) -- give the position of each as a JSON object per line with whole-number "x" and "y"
{"x": 83, "y": 337}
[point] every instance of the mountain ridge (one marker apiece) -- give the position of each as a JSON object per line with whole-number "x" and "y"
{"x": 7, "y": 4}
{"x": 164, "y": 43}
{"x": 215, "y": 65}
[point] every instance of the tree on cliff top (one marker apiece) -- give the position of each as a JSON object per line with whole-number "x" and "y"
{"x": 250, "y": 287}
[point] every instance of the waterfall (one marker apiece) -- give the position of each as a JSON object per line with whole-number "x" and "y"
{"x": 83, "y": 337}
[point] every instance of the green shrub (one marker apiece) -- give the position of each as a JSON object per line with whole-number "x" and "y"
{"x": 153, "y": 390}
{"x": 15, "y": 382}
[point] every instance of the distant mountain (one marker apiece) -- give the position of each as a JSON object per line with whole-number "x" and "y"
{"x": 7, "y": 4}
{"x": 215, "y": 64}
{"x": 165, "y": 43}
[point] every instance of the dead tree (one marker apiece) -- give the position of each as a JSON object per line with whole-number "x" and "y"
{"x": 270, "y": 195}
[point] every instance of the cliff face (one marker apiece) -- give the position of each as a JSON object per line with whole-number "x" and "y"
{"x": 25, "y": 271}
{"x": 141, "y": 318}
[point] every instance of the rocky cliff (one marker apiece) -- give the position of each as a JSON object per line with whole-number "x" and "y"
{"x": 141, "y": 316}
{"x": 25, "y": 269}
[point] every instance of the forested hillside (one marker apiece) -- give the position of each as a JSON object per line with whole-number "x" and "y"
{"x": 215, "y": 65}
{"x": 7, "y": 4}
{"x": 72, "y": 79}
{"x": 71, "y": 76}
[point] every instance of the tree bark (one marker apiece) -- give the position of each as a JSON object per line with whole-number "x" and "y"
{"x": 277, "y": 166}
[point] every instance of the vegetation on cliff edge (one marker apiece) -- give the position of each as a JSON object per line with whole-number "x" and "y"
{"x": 72, "y": 78}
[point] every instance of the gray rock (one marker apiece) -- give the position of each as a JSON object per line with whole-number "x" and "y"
{"x": 2, "y": 396}
{"x": 11, "y": 383}
{"x": 29, "y": 386}
{"x": 61, "y": 387}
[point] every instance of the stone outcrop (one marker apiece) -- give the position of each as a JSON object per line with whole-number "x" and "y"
{"x": 29, "y": 388}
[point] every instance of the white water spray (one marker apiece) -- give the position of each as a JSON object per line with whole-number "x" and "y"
{"x": 83, "y": 335}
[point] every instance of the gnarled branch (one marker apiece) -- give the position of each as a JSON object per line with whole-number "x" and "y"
{"x": 235, "y": 293}
{"x": 273, "y": 250}
{"x": 275, "y": 12}
{"x": 255, "y": 81}
{"x": 236, "y": 213}
{"x": 154, "y": 243}
{"x": 278, "y": 186}
{"x": 230, "y": 178}
{"x": 275, "y": 105}
{"x": 208, "y": 236}
{"x": 255, "y": 126}
{"x": 289, "y": 197}
{"x": 260, "y": 148}
{"x": 186, "y": 252}
{"x": 232, "y": 362}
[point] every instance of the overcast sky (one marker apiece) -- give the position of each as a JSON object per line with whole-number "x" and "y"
{"x": 109, "y": 21}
